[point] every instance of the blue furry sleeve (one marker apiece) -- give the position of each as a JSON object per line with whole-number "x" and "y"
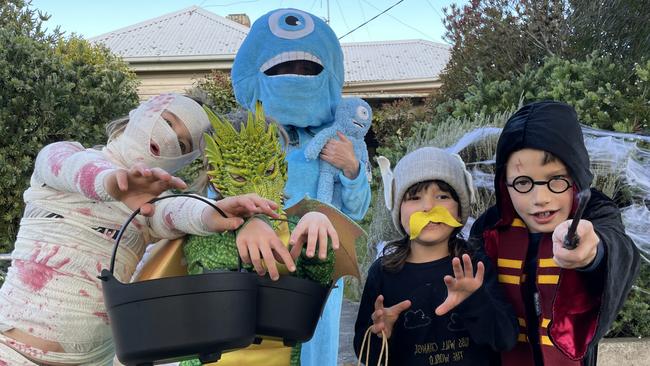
{"x": 352, "y": 196}
{"x": 355, "y": 194}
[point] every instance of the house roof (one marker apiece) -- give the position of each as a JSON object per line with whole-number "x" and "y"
{"x": 394, "y": 60}
{"x": 193, "y": 31}
{"x": 194, "y": 38}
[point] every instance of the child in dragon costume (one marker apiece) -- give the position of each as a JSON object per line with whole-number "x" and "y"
{"x": 253, "y": 160}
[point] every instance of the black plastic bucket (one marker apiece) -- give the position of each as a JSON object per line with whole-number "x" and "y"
{"x": 289, "y": 308}
{"x": 180, "y": 317}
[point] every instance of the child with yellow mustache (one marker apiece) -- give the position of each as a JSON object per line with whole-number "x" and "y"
{"x": 423, "y": 294}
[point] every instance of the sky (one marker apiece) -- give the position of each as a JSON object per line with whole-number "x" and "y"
{"x": 409, "y": 19}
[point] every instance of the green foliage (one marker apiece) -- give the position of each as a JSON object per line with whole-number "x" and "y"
{"x": 215, "y": 91}
{"x": 17, "y": 18}
{"x": 618, "y": 28}
{"x": 632, "y": 321}
{"x": 605, "y": 94}
{"x": 51, "y": 90}
{"x": 394, "y": 120}
{"x": 499, "y": 38}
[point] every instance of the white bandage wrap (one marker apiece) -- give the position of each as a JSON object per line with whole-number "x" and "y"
{"x": 65, "y": 239}
{"x": 146, "y": 126}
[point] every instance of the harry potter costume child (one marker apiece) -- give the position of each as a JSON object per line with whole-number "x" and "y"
{"x": 564, "y": 306}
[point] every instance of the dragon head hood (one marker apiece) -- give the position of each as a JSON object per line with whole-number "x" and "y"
{"x": 247, "y": 159}
{"x": 293, "y": 63}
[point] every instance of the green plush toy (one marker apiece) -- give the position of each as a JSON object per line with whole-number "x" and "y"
{"x": 250, "y": 160}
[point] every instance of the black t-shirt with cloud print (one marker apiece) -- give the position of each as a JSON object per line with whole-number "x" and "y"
{"x": 467, "y": 335}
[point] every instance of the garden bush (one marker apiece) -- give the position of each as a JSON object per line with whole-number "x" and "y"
{"x": 215, "y": 91}
{"x": 52, "y": 89}
{"x": 605, "y": 94}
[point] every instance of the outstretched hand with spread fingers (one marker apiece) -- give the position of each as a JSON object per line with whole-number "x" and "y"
{"x": 462, "y": 284}
{"x": 383, "y": 319}
{"x": 139, "y": 184}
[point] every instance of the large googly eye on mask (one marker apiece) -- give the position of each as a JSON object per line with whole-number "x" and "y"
{"x": 291, "y": 24}
{"x": 362, "y": 112}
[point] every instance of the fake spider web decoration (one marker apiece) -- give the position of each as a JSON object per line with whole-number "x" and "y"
{"x": 620, "y": 163}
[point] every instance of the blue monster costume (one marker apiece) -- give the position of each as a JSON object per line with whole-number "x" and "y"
{"x": 353, "y": 119}
{"x": 292, "y": 61}
{"x": 303, "y": 103}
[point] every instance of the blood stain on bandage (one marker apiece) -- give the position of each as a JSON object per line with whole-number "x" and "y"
{"x": 101, "y": 315}
{"x": 84, "y": 293}
{"x": 85, "y": 178}
{"x": 59, "y": 154}
{"x": 86, "y": 211}
{"x": 26, "y": 349}
{"x": 89, "y": 278}
{"x": 158, "y": 103}
{"x": 137, "y": 224}
{"x": 169, "y": 221}
{"x": 37, "y": 273}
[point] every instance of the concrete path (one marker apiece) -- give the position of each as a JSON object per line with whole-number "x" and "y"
{"x": 348, "y": 317}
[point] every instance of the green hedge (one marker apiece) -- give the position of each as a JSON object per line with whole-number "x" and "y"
{"x": 51, "y": 91}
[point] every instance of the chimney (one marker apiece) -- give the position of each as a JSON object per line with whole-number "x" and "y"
{"x": 242, "y": 19}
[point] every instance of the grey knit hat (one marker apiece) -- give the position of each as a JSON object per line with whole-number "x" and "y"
{"x": 423, "y": 164}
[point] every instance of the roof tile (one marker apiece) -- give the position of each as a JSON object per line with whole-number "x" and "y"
{"x": 195, "y": 31}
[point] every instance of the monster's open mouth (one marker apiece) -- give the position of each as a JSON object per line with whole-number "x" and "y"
{"x": 293, "y": 63}
{"x": 357, "y": 123}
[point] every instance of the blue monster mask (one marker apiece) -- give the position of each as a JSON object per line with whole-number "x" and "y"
{"x": 292, "y": 62}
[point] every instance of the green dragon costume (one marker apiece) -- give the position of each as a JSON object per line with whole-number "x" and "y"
{"x": 250, "y": 160}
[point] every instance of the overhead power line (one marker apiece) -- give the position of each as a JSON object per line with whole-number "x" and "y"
{"x": 363, "y": 15}
{"x": 434, "y": 9}
{"x": 371, "y": 19}
{"x": 342, "y": 14}
{"x": 401, "y": 22}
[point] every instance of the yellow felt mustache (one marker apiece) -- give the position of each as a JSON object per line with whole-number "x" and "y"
{"x": 440, "y": 214}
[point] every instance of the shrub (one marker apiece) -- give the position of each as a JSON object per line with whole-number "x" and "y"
{"x": 503, "y": 37}
{"x": 632, "y": 321}
{"x": 215, "y": 90}
{"x": 605, "y": 94}
{"x": 394, "y": 121}
{"x": 52, "y": 90}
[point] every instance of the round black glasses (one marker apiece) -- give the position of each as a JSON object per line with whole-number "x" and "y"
{"x": 524, "y": 184}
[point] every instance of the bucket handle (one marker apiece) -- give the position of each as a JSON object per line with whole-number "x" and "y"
{"x": 136, "y": 212}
